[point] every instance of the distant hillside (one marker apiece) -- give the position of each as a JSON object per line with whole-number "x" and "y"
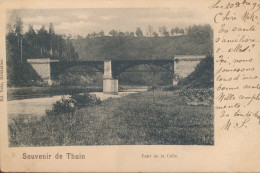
{"x": 132, "y": 48}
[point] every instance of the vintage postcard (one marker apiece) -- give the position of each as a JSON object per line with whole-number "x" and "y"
{"x": 130, "y": 86}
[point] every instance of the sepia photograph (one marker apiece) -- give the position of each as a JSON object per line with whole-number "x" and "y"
{"x": 109, "y": 76}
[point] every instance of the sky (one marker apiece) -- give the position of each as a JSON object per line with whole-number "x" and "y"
{"x": 84, "y": 21}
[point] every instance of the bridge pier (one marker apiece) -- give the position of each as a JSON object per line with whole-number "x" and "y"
{"x": 110, "y": 85}
{"x": 43, "y": 69}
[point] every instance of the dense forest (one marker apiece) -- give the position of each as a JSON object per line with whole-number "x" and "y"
{"x": 42, "y": 43}
{"x": 45, "y": 43}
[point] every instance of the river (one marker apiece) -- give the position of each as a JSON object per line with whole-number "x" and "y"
{"x": 38, "y": 106}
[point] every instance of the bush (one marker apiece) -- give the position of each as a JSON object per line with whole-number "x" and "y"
{"x": 58, "y": 127}
{"x": 84, "y": 100}
{"x": 197, "y": 95}
{"x": 74, "y": 102}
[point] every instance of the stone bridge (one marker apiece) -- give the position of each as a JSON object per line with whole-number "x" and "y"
{"x": 49, "y": 70}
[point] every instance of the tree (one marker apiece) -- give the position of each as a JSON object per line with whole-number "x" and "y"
{"x": 59, "y": 45}
{"x": 139, "y": 32}
{"x": 18, "y": 32}
{"x": 113, "y": 32}
{"x": 51, "y": 29}
{"x": 121, "y": 34}
{"x": 101, "y": 33}
{"x": 51, "y": 33}
{"x": 43, "y": 40}
{"x": 12, "y": 49}
{"x": 31, "y": 31}
{"x": 172, "y": 31}
{"x": 175, "y": 31}
{"x": 155, "y": 34}
{"x": 150, "y": 30}
{"x": 18, "y": 27}
{"x": 163, "y": 31}
{"x": 30, "y": 42}
{"x": 153, "y": 70}
{"x": 88, "y": 36}
{"x": 127, "y": 33}
{"x": 181, "y": 31}
{"x": 62, "y": 46}
{"x": 132, "y": 34}
{"x": 94, "y": 34}
{"x": 185, "y": 30}
{"x": 79, "y": 37}
{"x": 200, "y": 33}
{"x": 70, "y": 53}
{"x": 10, "y": 28}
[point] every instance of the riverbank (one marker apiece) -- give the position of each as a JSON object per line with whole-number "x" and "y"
{"x": 49, "y": 91}
{"x": 38, "y": 106}
{"x": 164, "y": 118}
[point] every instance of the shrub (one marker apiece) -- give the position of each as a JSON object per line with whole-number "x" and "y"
{"x": 197, "y": 95}
{"x": 58, "y": 127}
{"x": 84, "y": 100}
{"x": 74, "y": 102}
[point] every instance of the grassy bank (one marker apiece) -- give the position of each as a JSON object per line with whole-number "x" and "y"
{"x": 132, "y": 120}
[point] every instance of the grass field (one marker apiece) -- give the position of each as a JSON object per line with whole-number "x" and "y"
{"x": 131, "y": 120}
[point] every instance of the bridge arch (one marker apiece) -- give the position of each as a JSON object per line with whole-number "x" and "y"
{"x": 119, "y": 67}
{"x": 81, "y": 75}
{"x": 145, "y": 75}
{"x": 57, "y": 68}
